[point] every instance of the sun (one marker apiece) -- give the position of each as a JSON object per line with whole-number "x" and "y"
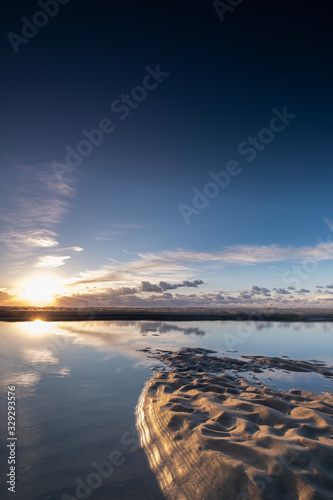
{"x": 40, "y": 291}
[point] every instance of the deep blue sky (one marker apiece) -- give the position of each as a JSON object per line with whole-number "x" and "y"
{"x": 121, "y": 203}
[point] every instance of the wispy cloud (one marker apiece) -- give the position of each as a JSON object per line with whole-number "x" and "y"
{"x": 177, "y": 263}
{"x": 36, "y": 201}
{"x": 107, "y": 235}
{"x": 74, "y": 249}
{"x": 329, "y": 223}
{"x": 42, "y": 238}
{"x": 246, "y": 254}
{"x": 16, "y": 241}
{"x": 38, "y": 198}
{"x": 112, "y": 235}
{"x": 52, "y": 261}
{"x": 128, "y": 226}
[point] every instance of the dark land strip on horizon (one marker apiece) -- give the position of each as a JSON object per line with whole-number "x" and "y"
{"x": 163, "y": 314}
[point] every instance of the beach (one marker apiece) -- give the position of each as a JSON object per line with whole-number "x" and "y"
{"x": 210, "y": 433}
{"x": 90, "y": 392}
{"x": 166, "y": 251}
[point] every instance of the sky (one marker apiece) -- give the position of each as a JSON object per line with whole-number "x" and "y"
{"x": 166, "y": 154}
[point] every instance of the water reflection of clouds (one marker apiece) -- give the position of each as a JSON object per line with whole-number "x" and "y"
{"x": 157, "y": 326}
{"x": 20, "y": 379}
{"x": 114, "y": 334}
{"x": 107, "y": 328}
{"x": 36, "y": 348}
{"x": 33, "y": 356}
{"x": 32, "y": 350}
{"x": 128, "y": 338}
{"x": 286, "y": 325}
{"x": 36, "y": 363}
{"x": 309, "y": 381}
{"x": 266, "y": 325}
{"x": 252, "y": 337}
{"x": 30, "y": 373}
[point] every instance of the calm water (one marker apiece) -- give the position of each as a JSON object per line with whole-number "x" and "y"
{"x": 77, "y": 385}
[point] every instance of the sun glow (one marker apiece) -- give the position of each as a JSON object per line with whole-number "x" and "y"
{"x": 40, "y": 291}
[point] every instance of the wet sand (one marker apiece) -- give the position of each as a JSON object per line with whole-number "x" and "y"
{"x": 163, "y": 314}
{"x": 212, "y": 434}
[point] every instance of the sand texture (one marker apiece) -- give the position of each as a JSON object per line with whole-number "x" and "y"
{"x": 212, "y": 435}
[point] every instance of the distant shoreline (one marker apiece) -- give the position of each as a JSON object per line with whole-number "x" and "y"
{"x": 163, "y": 314}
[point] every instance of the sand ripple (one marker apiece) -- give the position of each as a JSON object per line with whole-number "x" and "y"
{"x": 215, "y": 436}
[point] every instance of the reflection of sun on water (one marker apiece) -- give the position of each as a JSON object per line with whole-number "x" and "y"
{"x": 37, "y": 327}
